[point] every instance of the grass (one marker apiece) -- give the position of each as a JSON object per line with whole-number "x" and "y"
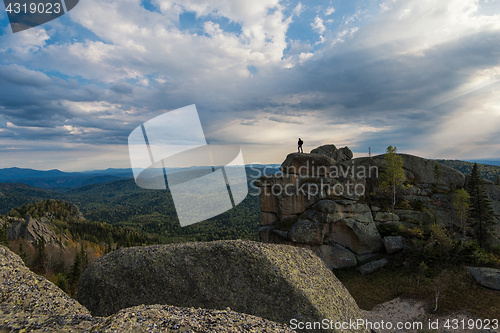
{"x": 460, "y": 293}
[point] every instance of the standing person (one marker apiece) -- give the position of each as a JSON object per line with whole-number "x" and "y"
{"x": 300, "y": 143}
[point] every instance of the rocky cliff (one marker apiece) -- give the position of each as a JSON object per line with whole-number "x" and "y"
{"x": 30, "y": 303}
{"x": 319, "y": 201}
{"x": 271, "y": 281}
{"x": 31, "y": 229}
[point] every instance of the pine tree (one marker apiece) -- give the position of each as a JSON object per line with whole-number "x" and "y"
{"x": 40, "y": 256}
{"x": 480, "y": 205}
{"x": 84, "y": 258}
{"x": 22, "y": 252}
{"x": 74, "y": 274}
{"x": 461, "y": 204}
{"x": 394, "y": 174}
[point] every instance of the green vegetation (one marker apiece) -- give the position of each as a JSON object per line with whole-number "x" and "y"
{"x": 481, "y": 211}
{"x": 3, "y": 234}
{"x": 461, "y": 204}
{"x": 117, "y": 214}
{"x": 432, "y": 269}
{"x": 394, "y": 174}
{"x": 66, "y": 219}
{"x": 461, "y": 292}
{"x": 123, "y": 204}
{"x": 489, "y": 172}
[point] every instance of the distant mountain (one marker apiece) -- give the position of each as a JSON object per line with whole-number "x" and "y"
{"x": 60, "y": 180}
{"x": 488, "y": 161}
{"x": 123, "y": 203}
{"x": 64, "y": 181}
{"x": 19, "y": 173}
{"x": 489, "y": 172}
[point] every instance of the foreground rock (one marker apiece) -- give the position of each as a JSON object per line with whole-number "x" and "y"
{"x": 271, "y": 281}
{"x": 373, "y": 266}
{"x": 30, "y": 303}
{"x": 487, "y": 277}
{"x": 164, "y": 318}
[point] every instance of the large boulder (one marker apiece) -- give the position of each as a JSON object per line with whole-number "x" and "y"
{"x": 296, "y": 200}
{"x": 373, "y": 266}
{"x": 276, "y": 282}
{"x": 289, "y": 200}
{"x": 421, "y": 170}
{"x": 359, "y": 237}
{"x": 339, "y": 155}
{"x": 385, "y": 217}
{"x": 394, "y": 243}
{"x": 307, "y": 231}
{"x": 415, "y": 216}
{"x": 316, "y": 165}
{"x": 336, "y": 256}
{"x": 487, "y": 277}
{"x": 167, "y": 318}
{"x": 30, "y": 303}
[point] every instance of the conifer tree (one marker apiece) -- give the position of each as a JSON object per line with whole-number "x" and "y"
{"x": 40, "y": 256}
{"x": 461, "y": 204}
{"x": 480, "y": 205}
{"x": 74, "y": 274}
{"x": 22, "y": 252}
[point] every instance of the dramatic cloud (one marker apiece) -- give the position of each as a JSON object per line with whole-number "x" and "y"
{"x": 419, "y": 75}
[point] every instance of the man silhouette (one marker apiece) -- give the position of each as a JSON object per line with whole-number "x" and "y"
{"x": 300, "y": 143}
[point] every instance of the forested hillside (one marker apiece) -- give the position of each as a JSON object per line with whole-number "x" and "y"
{"x": 123, "y": 203}
{"x": 489, "y": 172}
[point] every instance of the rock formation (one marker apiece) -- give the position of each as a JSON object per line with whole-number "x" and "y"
{"x": 339, "y": 155}
{"x": 31, "y": 229}
{"x": 30, "y": 303}
{"x": 271, "y": 281}
{"x": 317, "y": 202}
{"x": 487, "y": 277}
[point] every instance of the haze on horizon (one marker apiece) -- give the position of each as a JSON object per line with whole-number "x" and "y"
{"x": 421, "y": 75}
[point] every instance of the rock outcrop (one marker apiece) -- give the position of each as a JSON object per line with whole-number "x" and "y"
{"x": 339, "y": 155}
{"x": 166, "y": 318}
{"x": 317, "y": 202}
{"x": 487, "y": 277}
{"x": 271, "y": 281}
{"x": 30, "y": 303}
{"x": 31, "y": 229}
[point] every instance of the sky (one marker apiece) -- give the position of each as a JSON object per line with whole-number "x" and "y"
{"x": 422, "y": 75}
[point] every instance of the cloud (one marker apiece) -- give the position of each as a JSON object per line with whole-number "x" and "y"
{"x": 318, "y": 25}
{"x": 329, "y": 11}
{"x": 121, "y": 88}
{"x": 407, "y": 73}
{"x": 298, "y": 9}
